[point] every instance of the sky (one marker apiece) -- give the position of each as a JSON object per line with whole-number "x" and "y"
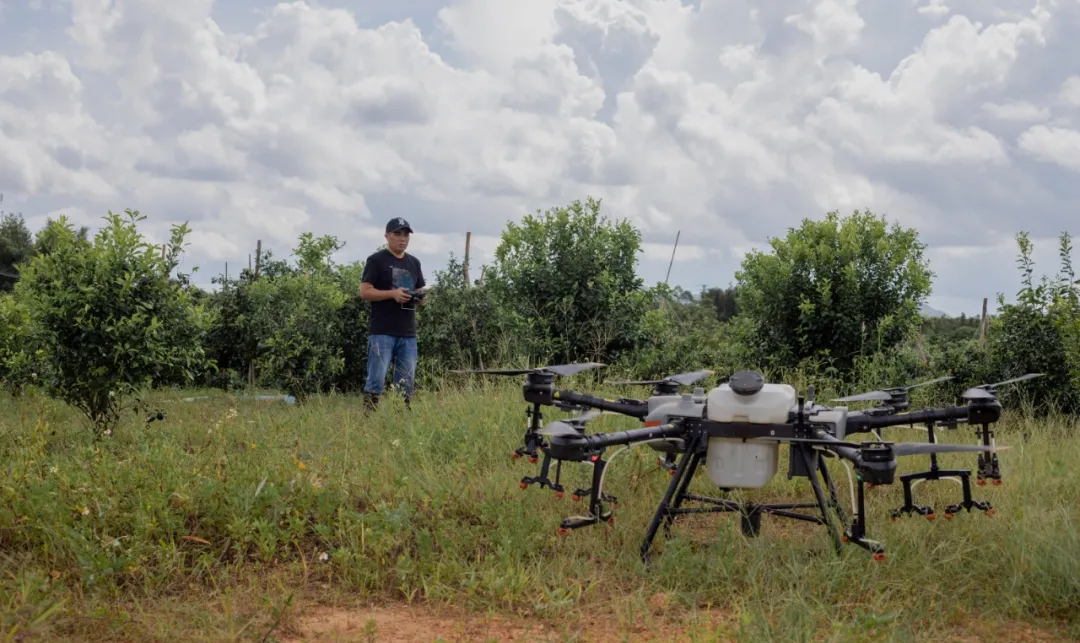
{"x": 723, "y": 122}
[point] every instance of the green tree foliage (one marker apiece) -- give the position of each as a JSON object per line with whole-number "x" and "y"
{"x": 466, "y": 327}
{"x": 1067, "y": 306}
{"x": 294, "y": 314}
{"x": 16, "y": 246}
{"x": 16, "y": 363}
{"x": 569, "y": 276}
{"x": 106, "y": 319}
{"x": 49, "y": 236}
{"x": 835, "y": 303}
{"x": 296, "y": 320}
{"x": 723, "y": 300}
{"x": 834, "y": 289}
{"x": 680, "y": 333}
{"x": 302, "y": 325}
{"x": 1036, "y": 334}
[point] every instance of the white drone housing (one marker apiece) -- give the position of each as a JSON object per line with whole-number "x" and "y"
{"x": 737, "y": 463}
{"x": 665, "y": 408}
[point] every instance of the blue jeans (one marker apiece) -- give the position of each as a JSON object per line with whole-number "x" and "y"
{"x": 384, "y": 350}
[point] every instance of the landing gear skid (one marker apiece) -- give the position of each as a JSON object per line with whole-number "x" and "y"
{"x": 936, "y": 473}
{"x": 598, "y": 512}
{"x": 989, "y": 468}
{"x": 671, "y": 505}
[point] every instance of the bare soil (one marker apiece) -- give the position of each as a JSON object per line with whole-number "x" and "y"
{"x": 423, "y": 624}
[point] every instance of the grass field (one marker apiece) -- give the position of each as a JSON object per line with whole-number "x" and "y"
{"x": 243, "y": 520}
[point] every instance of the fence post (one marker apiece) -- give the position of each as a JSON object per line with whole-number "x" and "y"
{"x": 258, "y": 260}
{"x": 468, "y": 240}
{"x": 982, "y": 325}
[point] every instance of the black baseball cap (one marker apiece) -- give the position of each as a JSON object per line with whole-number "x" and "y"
{"x": 398, "y": 224}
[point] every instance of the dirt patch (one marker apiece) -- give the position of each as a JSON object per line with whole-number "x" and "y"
{"x": 1009, "y": 632}
{"x": 424, "y": 624}
{"x": 421, "y": 624}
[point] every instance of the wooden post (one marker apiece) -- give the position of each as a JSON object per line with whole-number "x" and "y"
{"x": 258, "y": 260}
{"x": 663, "y": 304}
{"x": 670, "y": 263}
{"x": 983, "y": 325}
{"x": 468, "y": 240}
{"x": 163, "y": 251}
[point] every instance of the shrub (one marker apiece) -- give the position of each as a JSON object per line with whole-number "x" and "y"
{"x": 1035, "y": 334}
{"x": 568, "y": 275}
{"x": 106, "y": 319}
{"x": 834, "y": 289}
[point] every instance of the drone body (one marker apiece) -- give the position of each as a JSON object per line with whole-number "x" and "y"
{"x": 734, "y": 431}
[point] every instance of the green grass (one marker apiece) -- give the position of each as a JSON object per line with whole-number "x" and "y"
{"x": 215, "y": 524}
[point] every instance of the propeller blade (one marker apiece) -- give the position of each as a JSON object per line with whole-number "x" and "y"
{"x": 567, "y": 370}
{"x": 866, "y": 397}
{"x": 559, "y": 369}
{"x": 977, "y": 393}
{"x": 686, "y": 379}
{"x": 921, "y": 448}
{"x": 487, "y": 371}
{"x": 558, "y": 429}
{"x": 927, "y": 383}
{"x": 889, "y": 393}
{"x": 588, "y": 415}
{"x": 1022, "y": 378}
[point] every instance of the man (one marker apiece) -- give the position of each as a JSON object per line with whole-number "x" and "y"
{"x": 393, "y": 282}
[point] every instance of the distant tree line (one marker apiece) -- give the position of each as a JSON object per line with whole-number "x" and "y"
{"x": 97, "y": 320}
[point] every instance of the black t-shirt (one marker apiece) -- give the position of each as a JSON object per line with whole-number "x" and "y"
{"x": 386, "y": 272}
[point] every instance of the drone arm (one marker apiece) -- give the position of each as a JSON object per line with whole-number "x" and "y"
{"x": 615, "y": 438}
{"x": 873, "y": 468}
{"x": 865, "y": 423}
{"x": 632, "y": 409}
{"x": 850, "y": 453}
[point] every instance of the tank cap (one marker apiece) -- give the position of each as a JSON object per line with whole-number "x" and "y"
{"x": 746, "y": 382}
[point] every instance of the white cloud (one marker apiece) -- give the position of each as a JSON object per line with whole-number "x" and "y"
{"x": 1070, "y": 91}
{"x": 1017, "y": 111}
{"x": 934, "y": 8}
{"x": 1055, "y": 144}
{"x": 730, "y": 121}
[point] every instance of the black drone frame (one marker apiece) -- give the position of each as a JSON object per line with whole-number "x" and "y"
{"x": 875, "y": 463}
{"x": 539, "y": 390}
{"x": 895, "y": 400}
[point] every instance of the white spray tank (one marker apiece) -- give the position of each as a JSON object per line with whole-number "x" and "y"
{"x": 735, "y": 463}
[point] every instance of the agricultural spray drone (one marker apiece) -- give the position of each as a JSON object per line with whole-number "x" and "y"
{"x": 736, "y": 429}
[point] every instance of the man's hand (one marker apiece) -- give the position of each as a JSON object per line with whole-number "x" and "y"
{"x": 401, "y": 295}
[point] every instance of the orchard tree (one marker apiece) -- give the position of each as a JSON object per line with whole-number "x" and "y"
{"x": 296, "y": 318}
{"x": 569, "y": 276}
{"x": 106, "y": 319}
{"x": 1040, "y": 333}
{"x": 834, "y": 289}
{"x": 16, "y": 363}
{"x": 16, "y": 246}
{"x": 465, "y": 326}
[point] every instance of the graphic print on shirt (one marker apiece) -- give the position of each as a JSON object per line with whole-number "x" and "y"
{"x": 403, "y": 279}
